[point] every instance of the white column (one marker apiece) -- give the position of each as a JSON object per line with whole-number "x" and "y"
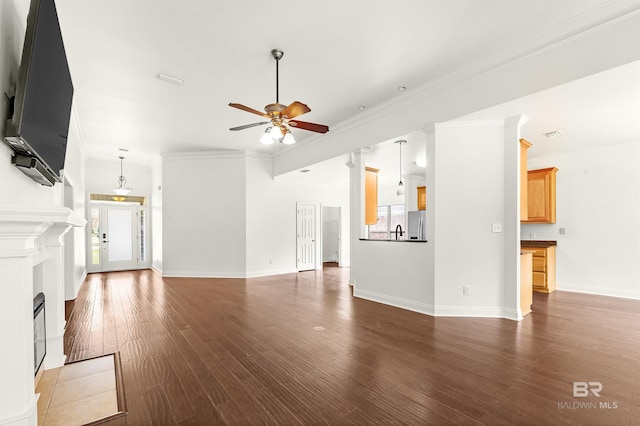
{"x": 54, "y": 293}
{"x": 356, "y": 164}
{"x": 18, "y": 402}
{"x": 511, "y": 227}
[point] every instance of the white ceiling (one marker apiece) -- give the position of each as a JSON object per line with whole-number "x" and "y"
{"x": 596, "y": 111}
{"x": 339, "y": 55}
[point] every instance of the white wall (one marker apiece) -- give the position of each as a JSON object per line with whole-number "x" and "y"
{"x": 271, "y": 218}
{"x": 204, "y": 214}
{"x": 469, "y": 198}
{"x": 466, "y": 195}
{"x": 75, "y": 199}
{"x": 156, "y": 215}
{"x": 598, "y": 204}
{"x": 18, "y": 190}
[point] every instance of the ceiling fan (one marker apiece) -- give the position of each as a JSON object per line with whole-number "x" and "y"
{"x": 280, "y": 116}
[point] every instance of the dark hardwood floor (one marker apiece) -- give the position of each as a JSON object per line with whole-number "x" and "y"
{"x": 300, "y": 349}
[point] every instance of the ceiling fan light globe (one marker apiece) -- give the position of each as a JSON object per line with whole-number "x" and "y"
{"x": 276, "y": 133}
{"x": 266, "y": 138}
{"x": 288, "y": 139}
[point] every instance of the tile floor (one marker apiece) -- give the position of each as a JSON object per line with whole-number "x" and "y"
{"x": 78, "y": 393}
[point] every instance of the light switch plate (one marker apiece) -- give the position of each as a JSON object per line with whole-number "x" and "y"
{"x": 496, "y": 227}
{"x": 562, "y": 231}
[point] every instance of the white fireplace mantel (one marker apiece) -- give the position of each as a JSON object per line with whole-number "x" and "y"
{"x": 29, "y": 237}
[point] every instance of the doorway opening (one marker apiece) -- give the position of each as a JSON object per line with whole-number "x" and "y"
{"x": 331, "y": 231}
{"x": 118, "y": 235}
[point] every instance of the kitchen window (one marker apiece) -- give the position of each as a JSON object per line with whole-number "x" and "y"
{"x": 388, "y": 218}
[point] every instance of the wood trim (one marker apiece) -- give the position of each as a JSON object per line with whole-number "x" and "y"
{"x": 120, "y": 396}
{"x": 524, "y": 193}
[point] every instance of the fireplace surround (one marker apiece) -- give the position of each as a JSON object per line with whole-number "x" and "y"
{"x": 30, "y": 238}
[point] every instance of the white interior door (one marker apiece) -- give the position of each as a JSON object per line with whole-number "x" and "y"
{"x": 306, "y": 236}
{"x": 119, "y": 238}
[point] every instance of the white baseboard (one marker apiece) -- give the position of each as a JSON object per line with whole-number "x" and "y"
{"x": 156, "y": 269}
{"x": 438, "y": 311}
{"x": 398, "y": 302}
{"x": 601, "y": 291}
{"x": 269, "y": 272}
{"x": 79, "y": 283}
{"x": 202, "y": 274}
{"x": 248, "y": 274}
{"x": 55, "y": 356}
{"x": 27, "y": 418}
{"x": 477, "y": 312}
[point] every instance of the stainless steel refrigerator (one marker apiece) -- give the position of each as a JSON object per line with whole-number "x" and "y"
{"x": 417, "y": 225}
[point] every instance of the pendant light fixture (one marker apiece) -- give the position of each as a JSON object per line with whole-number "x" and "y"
{"x": 400, "y": 183}
{"x": 121, "y": 189}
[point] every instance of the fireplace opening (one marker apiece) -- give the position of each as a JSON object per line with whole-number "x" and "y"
{"x": 39, "y": 332}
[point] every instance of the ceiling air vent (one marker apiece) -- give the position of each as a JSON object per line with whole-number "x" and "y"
{"x": 553, "y": 133}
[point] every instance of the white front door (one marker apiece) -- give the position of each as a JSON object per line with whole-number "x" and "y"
{"x": 306, "y": 236}
{"x": 117, "y": 238}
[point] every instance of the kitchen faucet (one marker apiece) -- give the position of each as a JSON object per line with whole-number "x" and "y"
{"x": 398, "y": 227}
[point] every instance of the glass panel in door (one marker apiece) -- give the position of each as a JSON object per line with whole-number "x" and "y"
{"x": 119, "y": 238}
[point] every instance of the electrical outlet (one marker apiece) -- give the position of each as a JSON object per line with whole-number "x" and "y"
{"x": 532, "y": 234}
{"x": 496, "y": 227}
{"x": 465, "y": 290}
{"x": 562, "y": 231}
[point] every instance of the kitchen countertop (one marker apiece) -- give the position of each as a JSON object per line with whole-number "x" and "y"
{"x": 538, "y": 243}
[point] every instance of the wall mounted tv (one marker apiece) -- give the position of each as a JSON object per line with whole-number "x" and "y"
{"x": 38, "y": 130}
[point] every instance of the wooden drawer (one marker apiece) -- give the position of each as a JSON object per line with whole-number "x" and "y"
{"x": 537, "y": 252}
{"x": 539, "y": 279}
{"x": 539, "y": 264}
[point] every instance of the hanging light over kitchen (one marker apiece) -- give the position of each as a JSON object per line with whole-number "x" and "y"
{"x": 400, "y": 183}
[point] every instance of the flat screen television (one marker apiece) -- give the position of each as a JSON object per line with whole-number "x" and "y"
{"x": 38, "y": 130}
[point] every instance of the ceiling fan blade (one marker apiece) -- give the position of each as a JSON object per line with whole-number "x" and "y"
{"x": 319, "y": 128}
{"x": 295, "y": 109}
{"x": 246, "y": 126}
{"x": 251, "y": 110}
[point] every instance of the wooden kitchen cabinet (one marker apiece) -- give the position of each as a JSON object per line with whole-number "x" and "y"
{"x": 524, "y": 182}
{"x": 544, "y": 269}
{"x": 541, "y": 195}
{"x": 422, "y": 198}
{"x": 526, "y": 292}
{"x": 370, "y": 196}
